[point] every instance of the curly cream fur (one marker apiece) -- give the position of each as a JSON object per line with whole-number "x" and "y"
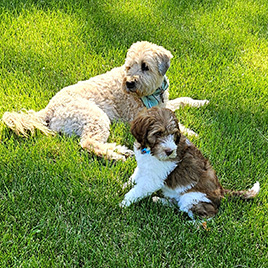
{"x": 87, "y": 108}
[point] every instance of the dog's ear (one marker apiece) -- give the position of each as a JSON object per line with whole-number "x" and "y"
{"x": 164, "y": 58}
{"x": 139, "y": 129}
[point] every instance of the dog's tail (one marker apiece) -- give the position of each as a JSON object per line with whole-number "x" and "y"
{"x": 26, "y": 121}
{"x": 245, "y": 194}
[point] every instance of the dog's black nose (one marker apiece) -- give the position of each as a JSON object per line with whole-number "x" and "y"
{"x": 168, "y": 152}
{"x": 131, "y": 85}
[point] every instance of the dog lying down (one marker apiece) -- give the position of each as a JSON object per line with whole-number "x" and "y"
{"x": 167, "y": 160}
{"x": 87, "y": 108}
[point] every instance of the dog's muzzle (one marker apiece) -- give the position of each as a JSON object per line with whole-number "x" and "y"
{"x": 131, "y": 86}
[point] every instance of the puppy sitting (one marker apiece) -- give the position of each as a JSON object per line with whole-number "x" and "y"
{"x": 167, "y": 160}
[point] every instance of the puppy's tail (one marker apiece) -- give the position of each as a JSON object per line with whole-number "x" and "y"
{"x": 26, "y": 121}
{"x": 245, "y": 194}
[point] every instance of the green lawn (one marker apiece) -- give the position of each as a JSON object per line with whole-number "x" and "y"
{"x": 59, "y": 205}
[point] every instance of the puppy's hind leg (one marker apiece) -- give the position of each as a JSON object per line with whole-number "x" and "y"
{"x": 204, "y": 210}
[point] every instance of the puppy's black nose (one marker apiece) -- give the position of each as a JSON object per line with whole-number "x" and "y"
{"x": 131, "y": 85}
{"x": 168, "y": 152}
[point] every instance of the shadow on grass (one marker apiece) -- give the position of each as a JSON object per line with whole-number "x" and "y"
{"x": 116, "y": 25}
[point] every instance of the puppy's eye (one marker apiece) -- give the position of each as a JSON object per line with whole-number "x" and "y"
{"x": 144, "y": 67}
{"x": 158, "y": 134}
{"x": 127, "y": 68}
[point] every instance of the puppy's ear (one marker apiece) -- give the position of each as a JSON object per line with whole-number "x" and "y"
{"x": 178, "y": 132}
{"x": 139, "y": 129}
{"x": 177, "y": 137}
{"x": 164, "y": 58}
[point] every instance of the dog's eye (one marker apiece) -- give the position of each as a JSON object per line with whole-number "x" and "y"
{"x": 127, "y": 68}
{"x": 144, "y": 67}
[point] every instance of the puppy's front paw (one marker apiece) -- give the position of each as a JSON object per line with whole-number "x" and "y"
{"x": 125, "y": 203}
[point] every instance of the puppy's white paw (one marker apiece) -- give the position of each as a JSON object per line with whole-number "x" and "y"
{"x": 125, "y": 203}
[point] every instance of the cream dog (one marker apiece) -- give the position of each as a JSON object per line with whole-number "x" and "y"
{"x": 87, "y": 108}
{"x": 168, "y": 161}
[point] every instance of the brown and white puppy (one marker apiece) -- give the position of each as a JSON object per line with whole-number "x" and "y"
{"x": 168, "y": 161}
{"x": 87, "y": 108}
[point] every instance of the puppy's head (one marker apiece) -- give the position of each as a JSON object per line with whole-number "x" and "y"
{"x": 158, "y": 130}
{"x": 145, "y": 67}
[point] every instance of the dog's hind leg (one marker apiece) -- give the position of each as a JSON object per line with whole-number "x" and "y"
{"x": 84, "y": 118}
{"x": 180, "y": 103}
{"x": 108, "y": 150}
{"x": 94, "y": 136}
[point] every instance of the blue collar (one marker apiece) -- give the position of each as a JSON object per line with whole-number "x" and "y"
{"x": 157, "y": 97}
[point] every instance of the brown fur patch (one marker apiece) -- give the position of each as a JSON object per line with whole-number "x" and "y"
{"x": 193, "y": 170}
{"x": 150, "y": 126}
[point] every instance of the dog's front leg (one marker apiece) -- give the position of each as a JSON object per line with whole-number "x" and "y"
{"x": 181, "y": 102}
{"x": 138, "y": 192}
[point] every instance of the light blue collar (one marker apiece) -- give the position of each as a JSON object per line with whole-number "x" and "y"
{"x": 157, "y": 97}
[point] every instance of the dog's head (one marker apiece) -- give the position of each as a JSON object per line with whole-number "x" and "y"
{"x": 145, "y": 67}
{"x": 158, "y": 130}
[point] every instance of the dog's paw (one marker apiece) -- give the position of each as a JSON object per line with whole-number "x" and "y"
{"x": 191, "y": 133}
{"x": 120, "y": 149}
{"x": 198, "y": 103}
{"x": 187, "y": 131}
{"x": 203, "y": 102}
{"x": 115, "y": 156}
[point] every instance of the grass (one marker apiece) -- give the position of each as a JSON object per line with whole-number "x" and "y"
{"x": 59, "y": 205}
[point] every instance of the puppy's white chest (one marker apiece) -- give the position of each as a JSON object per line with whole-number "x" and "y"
{"x": 150, "y": 169}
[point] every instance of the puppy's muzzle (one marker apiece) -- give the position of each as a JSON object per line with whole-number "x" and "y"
{"x": 169, "y": 152}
